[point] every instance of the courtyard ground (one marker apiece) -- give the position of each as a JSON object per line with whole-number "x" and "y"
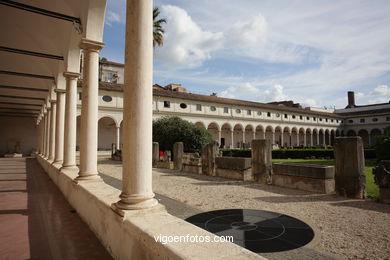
{"x": 354, "y": 229}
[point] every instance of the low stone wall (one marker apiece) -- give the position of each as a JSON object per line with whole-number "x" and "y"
{"x": 133, "y": 236}
{"x": 234, "y": 168}
{"x": 314, "y": 178}
{"x": 192, "y": 163}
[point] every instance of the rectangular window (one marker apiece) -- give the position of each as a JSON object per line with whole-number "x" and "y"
{"x": 293, "y": 116}
{"x": 314, "y": 118}
{"x": 326, "y": 120}
{"x": 249, "y": 112}
{"x": 301, "y": 117}
{"x": 226, "y": 110}
{"x": 307, "y": 118}
{"x": 285, "y": 116}
{"x": 167, "y": 104}
{"x": 362, "y": 120}
{"x": 198, "y": 107}
{"x": 269, "y": 114}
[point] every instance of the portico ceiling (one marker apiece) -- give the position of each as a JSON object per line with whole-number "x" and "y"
{"x": 38, "y": 42}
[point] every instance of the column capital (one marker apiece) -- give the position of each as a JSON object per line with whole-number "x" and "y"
{"x": 91, "y": 45}
{"x": 71, "y": 75}
{"x": 58, "y": 90}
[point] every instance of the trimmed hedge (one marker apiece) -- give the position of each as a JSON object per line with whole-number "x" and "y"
{"x": 294, "y": 153}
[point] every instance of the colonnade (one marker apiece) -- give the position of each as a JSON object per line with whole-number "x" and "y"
{"x": 57, "y": 123}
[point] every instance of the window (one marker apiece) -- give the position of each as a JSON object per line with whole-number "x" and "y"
{"x": 183, "y": 105}
{"x": 362, "y": 120}
{"x": 238, "y": 111}
{"x": 249, "y": 112}
{"x": 107, "y": 98}
{"x": 375, "y": 119}
{"x": 337, "y": 121}
{"x": 80, "y": 95}
{"x": 259, "y": 113}
{"x": 320, "y": 119}
{"x": 285, "y": 116}
{"x": 226, "y": 110}
{"x": 269, "y": 114}
{"x": 167, "y": 104}
{"x": 277, "y": 115}
{"x": 350, "y": 121}
{"x": 314, "y": 118}
{"x": 331, "y": 120}
{"x": 301, "y": 117}
{"x": 213, "y": 108}
{"x": 198, "y": 107}
{"x": 293, "y": 116}
{"x": 307, "y": 118}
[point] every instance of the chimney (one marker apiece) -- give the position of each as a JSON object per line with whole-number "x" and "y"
{"x": 351, "y": 99}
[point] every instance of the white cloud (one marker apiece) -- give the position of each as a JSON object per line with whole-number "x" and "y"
{"x": 247, "y": 33}
{"x": 185, "y": 43}
{"x": 112, "y": 17}
{"x": 243, "y": 91}
{"x": 275, "y": 93}
{"x": 381, "y": 90}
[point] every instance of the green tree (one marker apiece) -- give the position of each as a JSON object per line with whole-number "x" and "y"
{"x": 168, "y": 130}
{"x": 158, "y": 30}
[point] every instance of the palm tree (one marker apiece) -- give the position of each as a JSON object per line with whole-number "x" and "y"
{"x": 158, "y": 31}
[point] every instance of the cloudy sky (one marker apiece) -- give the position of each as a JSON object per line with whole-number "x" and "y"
{"x": 311, "y": 52}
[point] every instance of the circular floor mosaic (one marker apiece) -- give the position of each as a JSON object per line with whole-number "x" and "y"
{"x": 256, "y": 230}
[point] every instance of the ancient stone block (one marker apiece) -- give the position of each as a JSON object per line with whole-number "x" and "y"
{"x": 178, "y": 150}
{"x": 349, "y": 167}
{"x": 209, "y": 153}
{"x": 262, "y": 160}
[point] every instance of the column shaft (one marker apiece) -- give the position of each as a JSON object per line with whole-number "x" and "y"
{"x": 137, "y": 110}
{"x": 70, "y": 121}
{"x": 89, "y": 111}
{"x": 52, "y": 143}
{"x": 60, "y": 118}
{"x": 118, "y": 132}
{"x": 48, "y": 123}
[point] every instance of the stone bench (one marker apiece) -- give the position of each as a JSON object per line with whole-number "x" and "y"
{"x": 314, "y": 178}
{"x": 237, "y": 168}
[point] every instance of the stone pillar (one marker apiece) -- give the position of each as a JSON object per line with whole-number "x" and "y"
{"x": 69, "y": 163}
{"x": 232, "y": 139}
{"x": 273, "y": 137}
{"x": 324, "y": 139}
{"x": 137, "y": 108}
{"x": 318, "y": 139}
{"x": 52, "y": 144}
{"x": 349, "y": 167}
{"x": 118, "y": 133}
{"x": 243, "y": 138}
{"x": 209, "y": 153}
{"x": 281, "y": 139}
{"x": 219, "y": 137}
{"x": 304, "y": 139}
{"x": 262, "y": 161}
{"x": 263, "y": 135}
{"x": 89, "y": 112}
{"x": 254, "y": 135}
{"x": 298, "y": 144}
{"x": 156, "y": 154}
{"x": 311, "y": 139}
{"x": 47, "y": 132}
{"x": 178, "y": 150}
{"x": 60, "y": 118}
{"x": 330, "y": 139}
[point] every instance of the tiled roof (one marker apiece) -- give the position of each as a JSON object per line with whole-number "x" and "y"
{"x": 367, "y": 112}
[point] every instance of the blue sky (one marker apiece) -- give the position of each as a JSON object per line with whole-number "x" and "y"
{"x": 311, "y": 52}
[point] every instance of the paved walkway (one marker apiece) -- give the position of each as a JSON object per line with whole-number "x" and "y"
{"x": 36, "y": 221}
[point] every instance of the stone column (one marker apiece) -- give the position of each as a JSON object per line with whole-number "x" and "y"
{"x": 69, "y": 163}
{"x": 262, "y": 161}
{"x": 243, "y": 138}
{"x": 311, "y": 139}
{"x": 232, "y": 139}
{"x": 219, "y": 137}
{"x": 298, "y": 144}
{"x": 281, "y": 139}
{"x": 118, "y": 133}
{"x": 156, "y": 154}
{"x": 178, "y": 150}
{"x": 52, "y": 143}
{"x": 60, "y": 118}
{"x": 304, "y": 139}
{"x": 273, "y": 137}
{"x": 263, "y": 135}
{"x": 324, "y": 139}
{"x": 89, "y": 112}
{"x": 254, "y": 135}
{"x": 318, "y": 138}
{"x": 137, "y": 109}
{"x": 330, "y": 139}
{"x": 47, "y": 132}
{"x": 350, "y": 179}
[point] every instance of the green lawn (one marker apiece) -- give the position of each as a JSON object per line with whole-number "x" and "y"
{"x": 371, "y": 187}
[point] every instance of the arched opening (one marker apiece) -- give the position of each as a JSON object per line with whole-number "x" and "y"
{"x": 301, "y": 135}
{"x": 351, "y": 133}
{"x": 309, "y": 137}
{"x": 315, "y": 138}
{"x": 213, "y": 129}
{"x": 294, "y": 137}
{"x": 269, "y": 134}
{"x": 238, "y": 137}
{"x": 249, "y": 135}
{"x": 374, "y": 134}
{"x": 321, "y": 134}
{"x": 278, "y": 136}
{"x": 327, "y": 137}
{"x": 332, "y": 137}
{"x": 200, "y": 124}
{"x": 260, "y": 133}
{"x": 106, "y": 133}
{"x": 365, "y": 137}
{"x": 286, "y": 137}
{"x": 226, "y": 136}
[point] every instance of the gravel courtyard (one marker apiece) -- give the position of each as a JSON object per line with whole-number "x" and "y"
{"x": 354, "y": 229}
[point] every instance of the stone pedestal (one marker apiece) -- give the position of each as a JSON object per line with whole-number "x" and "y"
{"x": 209, "y": 153}
{"x": 262, "y": 161}
{"x": 349, "y": 164}
{"x": 178, "y": 150}
{"x": 155, "y": 154}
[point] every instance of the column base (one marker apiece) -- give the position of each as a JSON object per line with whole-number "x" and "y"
{"x": 88, "y": 178}
{"x": 57, "y": 164}
{"x": 150, "y": 205}
{"x": 70, "y": 169}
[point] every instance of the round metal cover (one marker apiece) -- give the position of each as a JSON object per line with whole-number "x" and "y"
{"x": 256, "y": 230}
